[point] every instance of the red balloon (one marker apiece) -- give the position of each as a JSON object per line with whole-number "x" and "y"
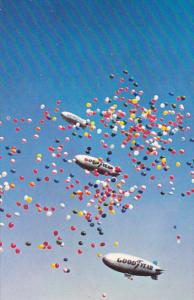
{"x": 11, "y": 225}
{"x": 55, "y": 232}
{"x": 13, "y": 245}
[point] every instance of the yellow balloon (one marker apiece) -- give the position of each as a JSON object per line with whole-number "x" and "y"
{"x": 159, "y": 167}
{"x": 88, "y": 104}
{"x": 28, "y": 199}
{"x": 163, "y": 160}
{"x": 116, "y": 244}
{"x": 165, "y": 112}
{"x": 80, "y": 213}
{"x": 98, "y": 254}
{"x": 163, "y": 128}
{"x": 72, "y": 195}
{"x": 41, "y": 246}
{"x": 132, "y": 116}
{"x": 178, "y": 164}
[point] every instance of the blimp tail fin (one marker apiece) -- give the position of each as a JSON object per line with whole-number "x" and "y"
{"x": 154, "y": 277}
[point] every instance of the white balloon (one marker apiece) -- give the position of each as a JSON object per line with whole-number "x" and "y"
{"x": 136, "y": 152}
{"x": 17, "y": 214}
{"x": 107, "y": 100}
{"x": 7, "y": 187}
{"x": 4, "y": 174}
{"x": 49, "y": 213}
{"x": 68, "y": 217}
{"x": 99, "y": 131}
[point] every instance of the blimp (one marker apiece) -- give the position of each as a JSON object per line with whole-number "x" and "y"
{"x": 91, "y": 163}
{"x": 132, "y": 265}
{"x": 73, "y": 119}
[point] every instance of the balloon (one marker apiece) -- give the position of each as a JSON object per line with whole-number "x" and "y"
{"x": 66, "y": 270}
{"x": 116, "y": 244}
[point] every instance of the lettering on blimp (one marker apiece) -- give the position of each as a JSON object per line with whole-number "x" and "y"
{"x": 96, "y": 162}
{"x": 107, "y": 166}
{"x": 135, "y": 263}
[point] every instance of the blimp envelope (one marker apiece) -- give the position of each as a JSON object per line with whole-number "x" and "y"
{"x": 73, "y": 119}
{"x": 132, "y": 265}
{"x": 91, "y": 163}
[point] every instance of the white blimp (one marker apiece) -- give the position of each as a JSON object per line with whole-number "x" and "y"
{"x": 132, "y": 265}
{"x": 73, "y": 119}
{"x": 91, "y": 163}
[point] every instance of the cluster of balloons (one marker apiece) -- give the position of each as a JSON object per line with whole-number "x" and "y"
{"x": 145, "y": 133}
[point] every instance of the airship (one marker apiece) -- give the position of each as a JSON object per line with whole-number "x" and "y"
{"x": 73, "y": 119}
{"x": 132, "y": 265}
{"x": 91, "y": 163}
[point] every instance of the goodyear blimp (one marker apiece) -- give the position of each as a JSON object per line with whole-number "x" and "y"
{"x": 91, "y": 163}
{"x": 73, "y": 119}
{"x": 132, "y": 265}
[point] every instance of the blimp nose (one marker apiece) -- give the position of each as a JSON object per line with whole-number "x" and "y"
{"x": 107, "y": 260}
{"x": 104, "y": 259}
{"x": 64, "y": 114}
{"x": 78, "y": 157}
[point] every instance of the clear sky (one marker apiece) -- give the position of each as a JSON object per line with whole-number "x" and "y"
{"x": 66, "y": 50}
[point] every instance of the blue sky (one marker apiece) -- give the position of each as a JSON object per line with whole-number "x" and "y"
{"x": 66, "y": 50}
